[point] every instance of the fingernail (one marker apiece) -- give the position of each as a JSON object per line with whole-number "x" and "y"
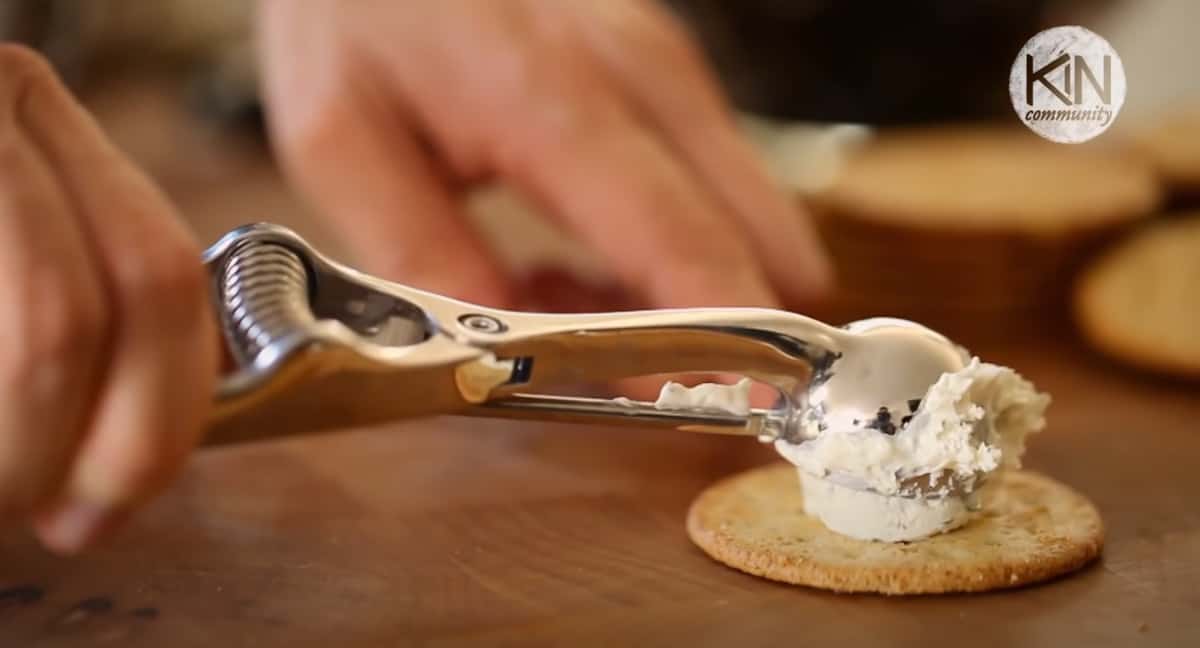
{"x": 72, "y": 527}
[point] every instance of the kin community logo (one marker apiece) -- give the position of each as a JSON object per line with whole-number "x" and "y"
{"x": 1067, "y": 84}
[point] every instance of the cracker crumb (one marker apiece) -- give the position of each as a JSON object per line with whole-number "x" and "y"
{"x": 1143, "y": 627}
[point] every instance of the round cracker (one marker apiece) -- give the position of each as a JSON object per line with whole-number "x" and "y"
{"x": 1138, "y": 302}
{"x": 1173, "y": 146}
{"x": 974, "y": 225}
{"x": 989, "y": 180}
{"x": 1031, "y": 529}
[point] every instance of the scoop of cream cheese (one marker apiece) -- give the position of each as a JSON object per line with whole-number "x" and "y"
{"x": 973, "y": 421}
{"x": 871, "y": 516}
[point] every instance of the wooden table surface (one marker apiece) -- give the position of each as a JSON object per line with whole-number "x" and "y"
{"x": 460, "y": 531}
{"x": 467, "y": 532}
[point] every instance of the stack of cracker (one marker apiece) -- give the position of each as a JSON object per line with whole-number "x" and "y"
{"x": 973, "y": 230}
{"x": 1139, "y": 302}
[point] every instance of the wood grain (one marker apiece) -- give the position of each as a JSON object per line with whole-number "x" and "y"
{"x": 454, "y": 531}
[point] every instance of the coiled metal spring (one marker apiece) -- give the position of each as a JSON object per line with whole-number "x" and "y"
{"x": 264, "y": 287}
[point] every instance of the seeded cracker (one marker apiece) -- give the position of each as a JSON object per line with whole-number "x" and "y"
{"x": 1031, "y": 529}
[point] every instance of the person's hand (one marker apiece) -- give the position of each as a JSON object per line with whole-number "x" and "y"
{"x": 109, "y": 345}
{"x": 602, "y": 112}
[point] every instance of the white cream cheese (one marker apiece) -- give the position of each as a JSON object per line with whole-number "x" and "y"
{"x": 973, "y": 421}
{"x": 871, "y": 516}
{"x": 734, "y": 399}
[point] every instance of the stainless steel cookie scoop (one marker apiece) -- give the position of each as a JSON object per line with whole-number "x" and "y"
{"x": 317, "y": 345}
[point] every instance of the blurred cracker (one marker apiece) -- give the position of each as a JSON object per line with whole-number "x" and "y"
{"x": 986, "y": 179}
{"x": 1173, "y": 148}
{"x": 1140, "y": 302}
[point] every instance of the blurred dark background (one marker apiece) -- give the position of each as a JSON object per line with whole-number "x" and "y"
{"x": 813, "y": 60}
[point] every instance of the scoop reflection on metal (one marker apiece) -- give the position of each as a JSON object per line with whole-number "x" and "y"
{"x": 318, "y": 345}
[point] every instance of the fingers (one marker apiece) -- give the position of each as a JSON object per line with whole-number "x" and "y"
{"x": 555, "y": 290}
{"x": 393, "y": 210}
{"x": 350, "y": 151}
{"x": 663, "y": 73}
{"x": 525, "y": 106}
{"x": 158, "y": 385}
{"x": 593, "y": 164}
{"x": 55, "y": 324}
{"x": 508, "y": 89}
